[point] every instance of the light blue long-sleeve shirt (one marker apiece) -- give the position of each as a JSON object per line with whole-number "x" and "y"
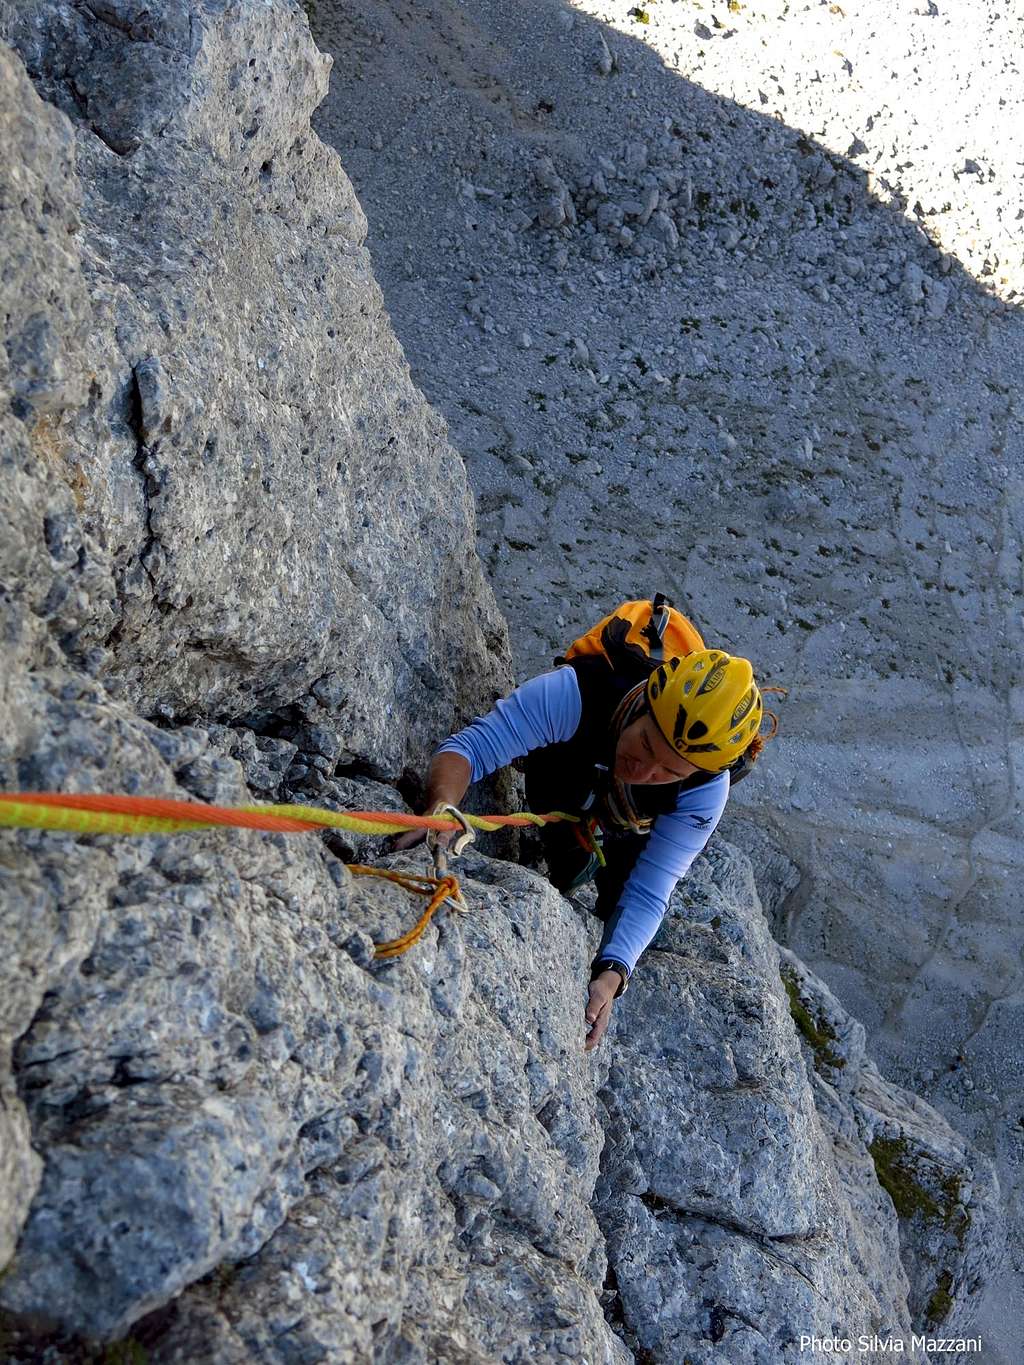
{"x": 547, "y": 710}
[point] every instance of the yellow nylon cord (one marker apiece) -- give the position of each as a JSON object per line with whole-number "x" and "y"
{"x": 439, "y": 889}
{"x": 24, "y": 815}
{"x": 41, "y": 815}
{"x": 64, "y": 820}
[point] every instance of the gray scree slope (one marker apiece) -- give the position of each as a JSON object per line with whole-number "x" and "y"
{"x": 224, "y": 1128}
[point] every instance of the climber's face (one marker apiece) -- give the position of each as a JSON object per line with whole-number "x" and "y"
{"x": 644, "y": 757}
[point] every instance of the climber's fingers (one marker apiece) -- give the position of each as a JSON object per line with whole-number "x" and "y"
{"x": 598, "y": 1012}
{"x": 409, "y": 839}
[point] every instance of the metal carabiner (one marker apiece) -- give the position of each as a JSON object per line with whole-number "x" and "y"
{"x": 439, "y": 852}
{"x": 468, "y": 835}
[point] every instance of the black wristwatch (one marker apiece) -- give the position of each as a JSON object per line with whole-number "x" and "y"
{"x": 608, "y": 964}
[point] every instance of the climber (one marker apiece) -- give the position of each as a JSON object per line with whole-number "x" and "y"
{"x": 638, "y": 738}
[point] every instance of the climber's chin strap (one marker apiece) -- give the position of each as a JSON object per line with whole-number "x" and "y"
{"x": 439, "y": 852}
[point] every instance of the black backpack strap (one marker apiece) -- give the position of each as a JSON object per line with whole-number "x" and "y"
{"x": 654, "y": 631}
{"x": 742, "y": 768}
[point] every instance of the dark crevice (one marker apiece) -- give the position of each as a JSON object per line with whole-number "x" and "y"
{"x": 112, "y": 20}
{"x": 547, "y": 1114}
{"x": 745, "y": 1084}
{"x": 339, "y": 846}
{"x": 136, "y": 30}
{"x": 21, "y": 1067}
{"x": 614, "y": 1310}
{"x": 411, "y": 788}
{"x": 119, "y": 146}
{"x": 717, "y": 1326}
{"x": 149, "y": 485}
{"x": 123, "y": 1079}
{"x": 361, "y": 767}
{"x": 80, "y": 99}
{"x": 664, "y": 1209}
{"x": 116, "y": 636}
{"x": 611, "y": 1301}
{"x": 82, "y": 105}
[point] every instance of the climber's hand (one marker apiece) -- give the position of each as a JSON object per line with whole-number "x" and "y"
{"x": 598, "y": 1012}
{"x": 447, "y": 783}
{"x": 412, "y": 837}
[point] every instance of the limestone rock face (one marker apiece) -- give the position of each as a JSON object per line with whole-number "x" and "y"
{"x": 228, "y": 493}
{"x": 237, "y": 564}
{"x": 253, "y": 1134}
{"x": 223, "y": 1078}
{"x": 739, "y": 1174}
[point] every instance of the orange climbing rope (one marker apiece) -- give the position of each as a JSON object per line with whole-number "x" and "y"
{"x": 439, "y": 889}
{"x": 91, "y": 813}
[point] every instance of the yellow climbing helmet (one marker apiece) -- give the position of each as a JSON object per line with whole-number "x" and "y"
{"x": 707, "y": 706}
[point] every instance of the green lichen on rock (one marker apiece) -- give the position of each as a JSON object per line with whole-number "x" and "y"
{"x": 896, "y": 1176}
{"x": 126, "y": 1352}
{"x": 918, "y": 1186}
{"x": 901, "y": 1178}
{"x": 941, "y": 1301}
{"x": 819, "y": 1034}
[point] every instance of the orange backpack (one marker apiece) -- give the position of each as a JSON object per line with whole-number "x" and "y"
{"x": 637, "y": 636}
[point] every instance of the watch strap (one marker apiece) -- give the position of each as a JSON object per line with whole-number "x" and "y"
{"x": 610, "y": 964}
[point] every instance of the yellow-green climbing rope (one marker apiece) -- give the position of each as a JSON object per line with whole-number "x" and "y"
{"x": 91, "y": 813}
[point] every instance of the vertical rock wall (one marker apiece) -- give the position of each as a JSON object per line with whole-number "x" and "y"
{"x": 221, "y": 499}
{"x": 228, "y": 494}
{"x": 755, "y": 1157}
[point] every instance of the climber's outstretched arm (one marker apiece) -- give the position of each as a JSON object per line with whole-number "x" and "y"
{"x": 542, "y": 711}
{"x": 447, "y": 783}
